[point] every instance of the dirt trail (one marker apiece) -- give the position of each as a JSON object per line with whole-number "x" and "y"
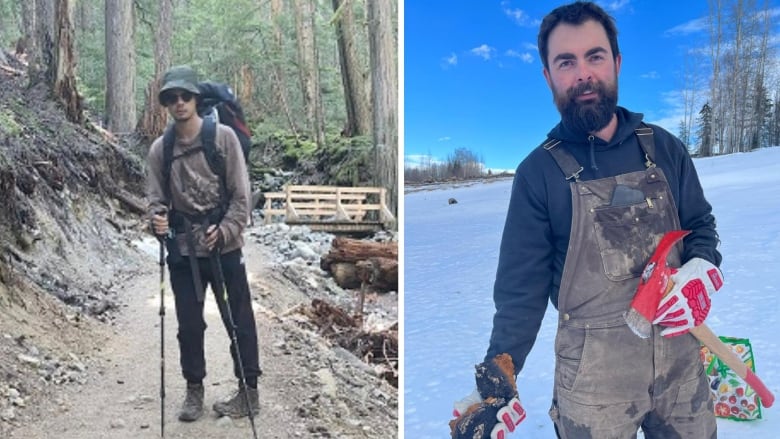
{"x": 309, "y": 389}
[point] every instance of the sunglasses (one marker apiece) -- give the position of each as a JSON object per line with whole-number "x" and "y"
{"x": 170, "y": 98}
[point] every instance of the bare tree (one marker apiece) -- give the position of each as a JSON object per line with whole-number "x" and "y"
{"x": 689, "y": 94}
{"x": 774, "y": 121}
{"x": 353, "y": 76}
{"x": 309, "y": 69}
{"x": 740, "y": 30}
{"x": 120, "y": 66}
{"x": 384, "y": 94}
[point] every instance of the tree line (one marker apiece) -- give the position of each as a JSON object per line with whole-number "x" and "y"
{"x": 732, "y": 104}
{"x": 462, "y": 164}
{"x": 319, "y": 70}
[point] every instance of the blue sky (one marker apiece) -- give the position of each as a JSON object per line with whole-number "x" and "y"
{"x": 473, "y": 78}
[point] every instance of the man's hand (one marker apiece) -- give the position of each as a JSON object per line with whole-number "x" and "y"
{"x": 688, "y": 303}
{"x": 493, "y": 409}
{"x": 214, "y": 238}
{"x": 159, "y": 224}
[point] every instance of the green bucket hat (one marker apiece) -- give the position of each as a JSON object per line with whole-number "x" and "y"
{"x": 182, "y": 77}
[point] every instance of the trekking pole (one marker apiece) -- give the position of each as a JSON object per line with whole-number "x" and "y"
{"x": 162, "y": 337}
{"x": 221, "y": 291}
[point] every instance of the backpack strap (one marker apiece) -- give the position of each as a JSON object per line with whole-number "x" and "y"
{"x": 169, "y": 139}
{"x": 208, "y": 136}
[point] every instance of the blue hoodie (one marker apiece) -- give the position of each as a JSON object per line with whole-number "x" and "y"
{"x": 538, "y": 223}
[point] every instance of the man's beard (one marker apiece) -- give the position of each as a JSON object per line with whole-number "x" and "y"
{"x": 587, "y": 116}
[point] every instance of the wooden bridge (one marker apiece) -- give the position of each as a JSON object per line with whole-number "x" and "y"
{"x": 333, "y": 209}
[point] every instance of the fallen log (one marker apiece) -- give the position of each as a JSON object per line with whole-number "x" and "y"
{"x": 354, "y": 250}
{"x": 355, "y": 263}
{"x": 380, "y": 273}
{"x": 345, "y": 275}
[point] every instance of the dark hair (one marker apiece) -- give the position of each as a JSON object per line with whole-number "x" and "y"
{"x": 575, "y": 14}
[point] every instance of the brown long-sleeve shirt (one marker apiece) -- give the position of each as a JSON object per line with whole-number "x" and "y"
{"x": 195, "y": 189}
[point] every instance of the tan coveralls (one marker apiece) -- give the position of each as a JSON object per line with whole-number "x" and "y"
{"x": 608, "y": 381}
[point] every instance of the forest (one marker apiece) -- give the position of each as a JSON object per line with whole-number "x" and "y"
{"x": 317, "y": 79}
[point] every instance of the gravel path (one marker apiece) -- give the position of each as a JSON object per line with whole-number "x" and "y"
{"x": 309, "y": 388}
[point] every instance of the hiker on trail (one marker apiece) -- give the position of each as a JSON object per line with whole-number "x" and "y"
{"x": 203, "y": 214}
{"x": 587, "y": 209}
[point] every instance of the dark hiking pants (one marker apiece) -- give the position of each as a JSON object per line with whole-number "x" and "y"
{"x": 189, "y": 313}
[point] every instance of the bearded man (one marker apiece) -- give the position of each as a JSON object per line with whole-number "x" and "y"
{"x": 587, "y": 209}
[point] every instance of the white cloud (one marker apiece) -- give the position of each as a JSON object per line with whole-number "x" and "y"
{"x": 522, "y": 56}
{"x": 451, "y": 60}
{"x": 484, "y": 51}
{"x": 517, "y": 15}
{"x": 615, "y": 5}
{"x": 650, "y": 75}
{"x": 444, "y": 139}
{"x": 691, "y": 27}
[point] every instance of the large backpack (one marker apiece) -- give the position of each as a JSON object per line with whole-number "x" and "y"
{"x": 216, "y": 104}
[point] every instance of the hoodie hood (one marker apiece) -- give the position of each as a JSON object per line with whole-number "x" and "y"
{"x": 627, "y": 122}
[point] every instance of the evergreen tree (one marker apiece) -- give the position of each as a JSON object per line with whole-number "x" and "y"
{"x": 705, "y": 131}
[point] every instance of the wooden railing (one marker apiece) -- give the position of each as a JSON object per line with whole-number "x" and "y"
{"x": 330, "y": 208}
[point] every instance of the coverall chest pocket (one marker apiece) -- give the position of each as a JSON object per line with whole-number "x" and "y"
{"x": 627, "y": 235}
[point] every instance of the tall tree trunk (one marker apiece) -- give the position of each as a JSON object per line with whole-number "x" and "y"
{"x": 277, "y": 51}
{"x": 384, "y": 95}
{"x": 53, "y": 60}
{"x": 154, "y": 116}
{"x": 65, "y": 77}
{"x": 352, "y": 76}
{"x": 29, "y": 28}
{"x": 120, "y": 67}
{"x": 43, "y": 60}
{"x": 309, "y": 69}
{"x": 277, "y": 70}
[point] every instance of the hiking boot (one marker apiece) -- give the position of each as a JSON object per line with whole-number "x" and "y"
{"x": 192, "y": 408}
{"x": 235, "y": 407}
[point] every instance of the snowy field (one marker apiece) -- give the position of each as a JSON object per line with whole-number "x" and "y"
{"x": 450, "y": 258}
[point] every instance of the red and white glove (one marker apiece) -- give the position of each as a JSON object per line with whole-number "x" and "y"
{"x": 688, "y": 303}
{"x": 507, "y": 418}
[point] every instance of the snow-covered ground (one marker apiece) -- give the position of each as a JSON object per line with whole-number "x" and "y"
{"x": 450, "y": 259}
